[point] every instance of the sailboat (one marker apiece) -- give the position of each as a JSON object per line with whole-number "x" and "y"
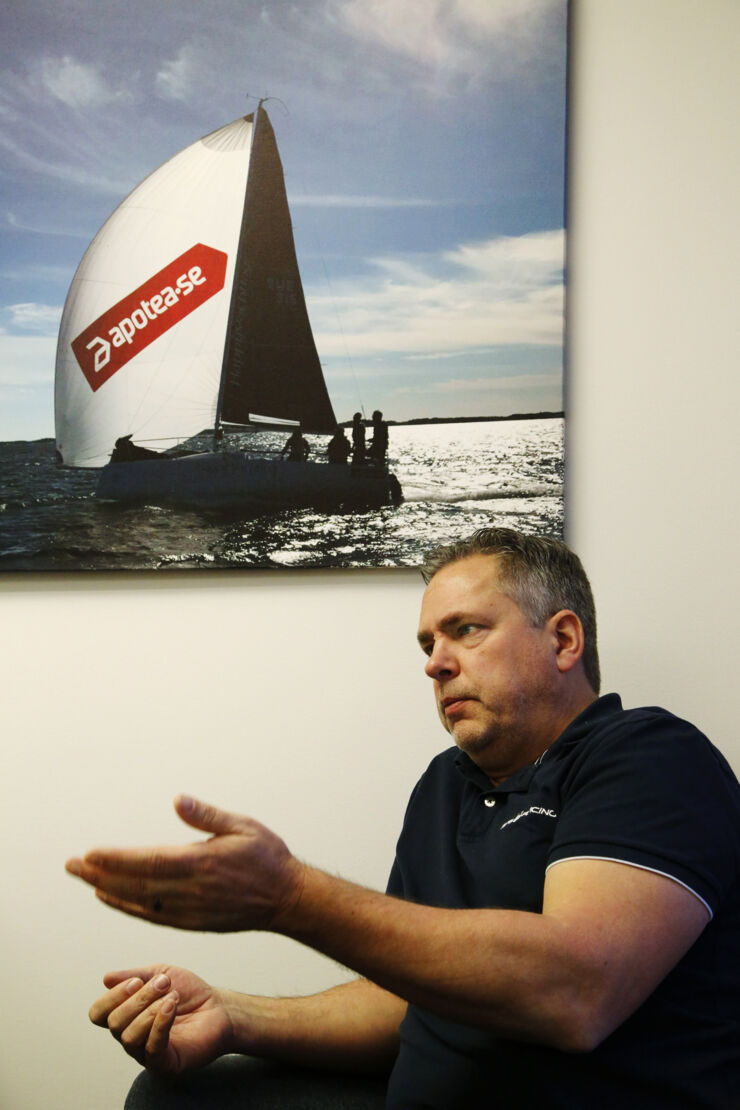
{"x": 186, "y": 315}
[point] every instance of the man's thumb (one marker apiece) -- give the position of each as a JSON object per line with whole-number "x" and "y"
{"x": 207, "y": 818}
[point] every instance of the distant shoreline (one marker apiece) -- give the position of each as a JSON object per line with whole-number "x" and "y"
{"x": 471, "y": 419}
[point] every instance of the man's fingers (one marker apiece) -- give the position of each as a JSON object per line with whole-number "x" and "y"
{"x": 139, "y": 893}
{"x": 113, "y": 978}
{"x": 120, "y": 1008}
{"x": 165, "y": 861}
{"x": 146, "y": 1037}
{"x": 157, "y": 1043}
{"x": 113, "y": 998}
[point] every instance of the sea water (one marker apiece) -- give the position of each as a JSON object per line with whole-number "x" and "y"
{"x": 455, "y": 478}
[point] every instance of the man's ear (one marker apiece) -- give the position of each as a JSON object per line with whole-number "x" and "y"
{"x": 567, "y": 632}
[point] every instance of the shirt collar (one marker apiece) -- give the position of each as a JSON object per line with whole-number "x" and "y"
{"x": 606, "y": 706}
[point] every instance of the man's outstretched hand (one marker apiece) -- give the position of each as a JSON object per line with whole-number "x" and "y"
{"x": 242, "y": 877}
{"x": 165, "y": 1017}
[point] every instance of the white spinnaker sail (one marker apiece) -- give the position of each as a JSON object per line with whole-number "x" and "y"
{"x": 152, "y": 293}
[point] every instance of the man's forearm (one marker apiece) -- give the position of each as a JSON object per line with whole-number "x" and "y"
{"x": 352, "y": 1027}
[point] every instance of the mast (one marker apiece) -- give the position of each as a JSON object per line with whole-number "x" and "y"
{"x": 217, "y": 432}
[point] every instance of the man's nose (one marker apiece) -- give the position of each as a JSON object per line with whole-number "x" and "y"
{"x": 442, "y": 662}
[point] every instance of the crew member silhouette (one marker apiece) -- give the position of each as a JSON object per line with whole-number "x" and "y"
{"x": 358, "y": 440}
{"x": 338, "y": 448}
{"x": 296, "y": 447}
{"x": 379, "y": 442}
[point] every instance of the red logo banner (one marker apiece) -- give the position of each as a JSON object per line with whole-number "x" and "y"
{"x": 129, "y": 326}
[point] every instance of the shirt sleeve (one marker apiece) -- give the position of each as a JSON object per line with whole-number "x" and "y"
{"x": 395, "y": 882}
{"x": 654, "y": 793}
{"x": 396, "y": 886}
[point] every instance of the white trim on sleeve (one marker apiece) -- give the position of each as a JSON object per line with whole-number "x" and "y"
{"x": 640, "y": 867}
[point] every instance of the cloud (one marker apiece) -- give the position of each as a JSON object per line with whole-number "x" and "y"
{"x": 42, "y": 131}
{"x": 536, "y": 256}
{"x": 75, "y": 84}
{"x": 34, "y": 317}
{"x": 453, "y": 39}
{"x": 412, "y": 28}
{"x": 438, "y": 356}
{"x": 177, "y": 77}
{"x": 501, "y": 292}
{"x": 14, "y": 270}
{"x": 508, "y": 18}
{"x": 61, "y": 81}
{"x": 61, "y": 171}
{"x": 41, "y": 228}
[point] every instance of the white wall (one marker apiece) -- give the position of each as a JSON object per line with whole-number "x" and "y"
{"x": 299, "y": 697}
{"x": 654, "y": 394}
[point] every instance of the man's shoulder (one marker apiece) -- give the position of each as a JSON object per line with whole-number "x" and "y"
{"x": 649, "y": 743}
{"x": 606, "y": 721}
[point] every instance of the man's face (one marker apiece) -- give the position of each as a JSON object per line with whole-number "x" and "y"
{"x": 494, "y": 674}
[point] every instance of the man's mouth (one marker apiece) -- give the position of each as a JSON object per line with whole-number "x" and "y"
{"x": 453, "y": 703}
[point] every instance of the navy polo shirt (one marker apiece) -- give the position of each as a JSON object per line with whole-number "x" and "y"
{"x": 636, "y": 786}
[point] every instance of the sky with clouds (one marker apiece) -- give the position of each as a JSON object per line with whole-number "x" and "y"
{"x": 423, "y": 148}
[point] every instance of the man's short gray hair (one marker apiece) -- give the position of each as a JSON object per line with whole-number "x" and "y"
{"x": 541, "y": 575}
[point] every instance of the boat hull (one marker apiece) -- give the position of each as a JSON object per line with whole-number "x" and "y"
{"x": 233, "y": 480}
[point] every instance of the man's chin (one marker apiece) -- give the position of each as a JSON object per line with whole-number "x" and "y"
{"x": 467, "y": 738}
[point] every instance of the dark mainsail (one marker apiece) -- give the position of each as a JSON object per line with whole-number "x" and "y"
{"x": 271, "y": 366}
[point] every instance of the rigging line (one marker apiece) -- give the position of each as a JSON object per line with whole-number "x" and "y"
{"x": 348, "y": 356}
{"x": 263, "y": 99}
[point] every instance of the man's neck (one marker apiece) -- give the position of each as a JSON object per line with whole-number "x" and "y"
{"x": 533, "y": 746}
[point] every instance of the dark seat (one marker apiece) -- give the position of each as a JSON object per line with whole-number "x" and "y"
{"x": 247, "y": 1083}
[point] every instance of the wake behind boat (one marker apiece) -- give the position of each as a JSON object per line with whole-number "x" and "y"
{"x": 187, "y": 312}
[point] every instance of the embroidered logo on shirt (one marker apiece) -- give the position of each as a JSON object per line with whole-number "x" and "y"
{"x": 525, "y": 813}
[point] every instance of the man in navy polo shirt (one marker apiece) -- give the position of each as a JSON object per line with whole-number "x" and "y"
{"x": 562, "y": 922}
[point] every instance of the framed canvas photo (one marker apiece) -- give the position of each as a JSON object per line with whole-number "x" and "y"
{"x": 282, "y": 285}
